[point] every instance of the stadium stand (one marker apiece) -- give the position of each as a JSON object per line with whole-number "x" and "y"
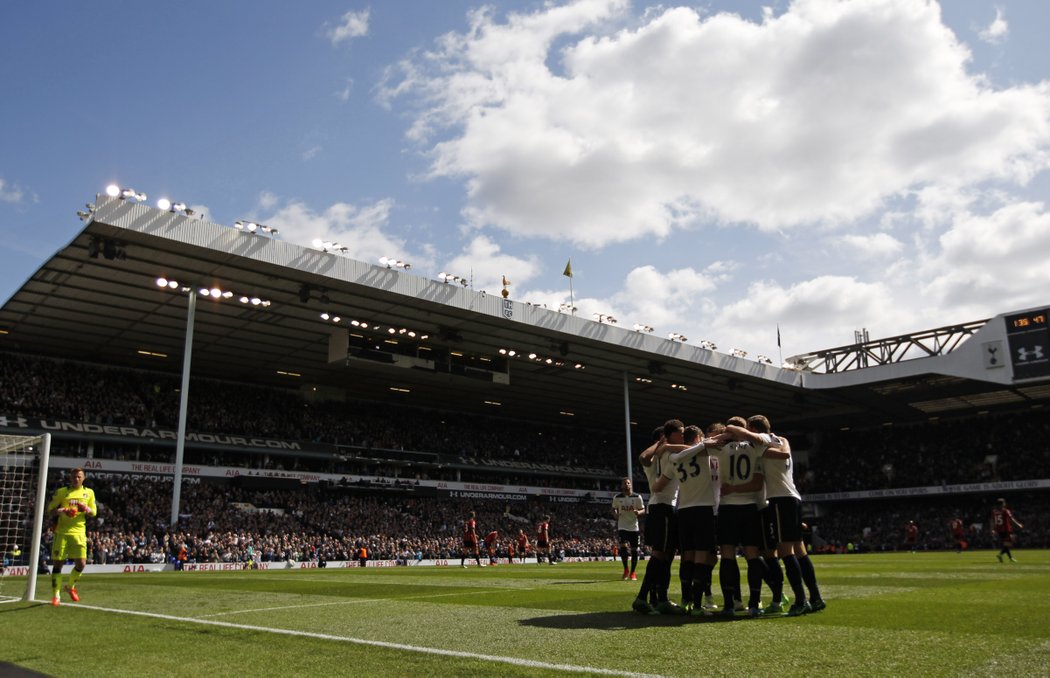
{"x": 329, "y": 522}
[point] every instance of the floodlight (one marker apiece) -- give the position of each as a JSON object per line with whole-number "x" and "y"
{"x": 113, "y": 191}
{"x": 162, "y": 282}
{"x": 216, "y": 292}
{"x": 164, "y": 204}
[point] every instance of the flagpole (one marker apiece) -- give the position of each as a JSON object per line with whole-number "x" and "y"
{"x": 568, "y": 274}
{"x": 780, "y": 348}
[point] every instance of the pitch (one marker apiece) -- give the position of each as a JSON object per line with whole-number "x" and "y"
{"x": 935, "y": 614}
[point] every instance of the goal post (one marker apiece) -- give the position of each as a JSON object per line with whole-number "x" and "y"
{"x": 23, "y": 497}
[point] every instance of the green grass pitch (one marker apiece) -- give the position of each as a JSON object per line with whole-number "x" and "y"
{"x": 924, "y": 614}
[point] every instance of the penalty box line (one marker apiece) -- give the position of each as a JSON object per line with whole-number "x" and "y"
{"x": 515, "y": 661}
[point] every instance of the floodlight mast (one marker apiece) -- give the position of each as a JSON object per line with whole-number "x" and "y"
{"x": 627, "y": 420}
{"x": 184, "y": 394}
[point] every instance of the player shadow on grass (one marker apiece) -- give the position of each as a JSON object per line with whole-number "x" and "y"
{"x": 617, "y": 621}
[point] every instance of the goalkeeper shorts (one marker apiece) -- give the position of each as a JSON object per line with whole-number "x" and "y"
{"x": 69, "y": 546}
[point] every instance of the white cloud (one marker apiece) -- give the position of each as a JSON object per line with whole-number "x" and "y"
{"x": 11, "y": 194}
{"x": 354, "y": 24}
{"x": 878, "y": 245}
{"x": 665, "y": 300}
{"x": 344, "y": 94}
{"x": 362, "y": 228}
{"x": 810, "y": 313}
{"x": 990, "y": 263}
{"x": 816, "y": 116}
{"x": 311, "y": 152}
{"x": 486, "y": 265}
{"x": 267, "y": 200}
{"x": 997, "y": 31}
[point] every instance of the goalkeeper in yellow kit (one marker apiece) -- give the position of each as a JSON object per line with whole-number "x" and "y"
{"x": 71, "y": 505}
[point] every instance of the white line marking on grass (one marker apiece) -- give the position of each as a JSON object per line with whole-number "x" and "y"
{"x": 422, "y": 596}
{"x": 515, "y": 661}
{"x": 288, "y": 607}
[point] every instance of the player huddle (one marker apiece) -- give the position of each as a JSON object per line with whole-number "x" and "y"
{"x": 713, "y": 492}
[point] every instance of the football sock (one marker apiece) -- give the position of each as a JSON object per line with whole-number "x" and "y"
{"x": 729, "y": 579}
{"x": 794, "y": 576}
{"x": 623, "y": 557}
{"x": 702, "y": 582}
{"x": 756, "y": 572}
{"x": 647, "y": 581}
{"x": 685, "y": 577}
{"x": 56, "y": 581}
{"x": 667, "y": 566}
{"x": 74, "y": 577}
{"x": 634, "y": 560}
{"x": 810, "y": 577}
{"x": 775, "y": 578}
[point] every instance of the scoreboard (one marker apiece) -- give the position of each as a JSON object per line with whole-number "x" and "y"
{"x": 1029, "y": 338}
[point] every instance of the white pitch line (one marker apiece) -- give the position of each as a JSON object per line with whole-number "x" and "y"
{"x": 515, "y": 661}
{"x": 289, "y": 607}
{"x": 422, "y": 596}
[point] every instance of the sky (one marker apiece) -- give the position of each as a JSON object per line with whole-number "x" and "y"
{"x": 715, "y": 169}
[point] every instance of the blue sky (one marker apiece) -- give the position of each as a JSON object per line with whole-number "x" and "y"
{"x": 713, "y": 169}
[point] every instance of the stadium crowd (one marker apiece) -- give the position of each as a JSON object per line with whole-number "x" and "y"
{"x": 36, "y": 387}
{"x": 989, "y": 448}
{"x": 221, "y": 522}
{"x": 993, "y": 447}
{"x": 225, "y": 523}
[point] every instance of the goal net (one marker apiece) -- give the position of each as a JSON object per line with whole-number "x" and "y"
{"x": 23, "y": 482}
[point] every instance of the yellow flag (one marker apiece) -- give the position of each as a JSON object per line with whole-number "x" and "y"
{"x": 568, "y": 269}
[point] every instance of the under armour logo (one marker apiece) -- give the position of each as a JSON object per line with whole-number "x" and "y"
{"x": 20, "y": 422}
{"x": 1023, "y": 354}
